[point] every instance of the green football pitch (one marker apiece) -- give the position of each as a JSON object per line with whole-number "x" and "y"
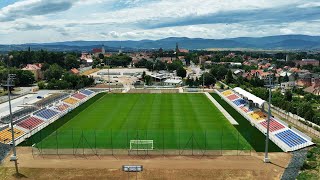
{"x": 172, "y": 121}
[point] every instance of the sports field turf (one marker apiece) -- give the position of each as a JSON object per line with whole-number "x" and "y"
{"x": 172, "y": 121}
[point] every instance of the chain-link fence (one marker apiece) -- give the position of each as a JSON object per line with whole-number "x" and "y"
{"x": 119, "y": 142}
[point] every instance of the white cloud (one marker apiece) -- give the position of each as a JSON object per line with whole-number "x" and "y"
{"x": 309, "y": 5}
{"x": 60, "y": 20}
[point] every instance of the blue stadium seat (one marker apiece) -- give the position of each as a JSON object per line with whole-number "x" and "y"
{"x": 86, "y": 92}
{"x": 290, "y": 138}
{"x": 239, "y": 102}
{"x": 46, "y": 113}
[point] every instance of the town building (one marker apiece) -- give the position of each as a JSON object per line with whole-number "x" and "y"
{"x": 36, "y": 70}
{"x": 303, "y": 62}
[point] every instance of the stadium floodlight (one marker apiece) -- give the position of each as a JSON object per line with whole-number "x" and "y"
{"x": 269, "y": 86}
{"x": 109, "y": 75}
{"x": 14, "y": 157}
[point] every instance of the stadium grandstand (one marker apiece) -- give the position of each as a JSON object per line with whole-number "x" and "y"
{"x": 253, "y": 109}
{"x": 26, "y": 126}
{"x": 79, "y": 96}
{"x": 62, "y": 107}
{"x": 52, "y": 98}
{"x": 19, "y": 114}
{"x": 70, "y": 101}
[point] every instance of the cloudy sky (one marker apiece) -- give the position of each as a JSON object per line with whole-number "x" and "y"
{"x": 26, "y": 21}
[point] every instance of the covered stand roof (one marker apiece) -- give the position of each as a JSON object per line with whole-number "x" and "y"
{"x": 249, "y": 96}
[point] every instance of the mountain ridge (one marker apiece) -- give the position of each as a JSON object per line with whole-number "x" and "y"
{"x": 280, "y": 42}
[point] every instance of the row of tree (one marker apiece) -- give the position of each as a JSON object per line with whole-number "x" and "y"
{"x": 19, "y": 59}
{"x": 58, "y": 78}
{"x": 216, "y": 73}
{"x": 176, "y": 65}
{"x": 23, "y": 78}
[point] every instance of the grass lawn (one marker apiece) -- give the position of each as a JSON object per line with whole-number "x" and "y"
{"x": 172, "y": 121}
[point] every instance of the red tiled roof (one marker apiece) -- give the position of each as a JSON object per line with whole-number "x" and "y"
{"x": 97, "y": 50}
{"x": 74, "y": 71}
{"x": 33, "y": 67}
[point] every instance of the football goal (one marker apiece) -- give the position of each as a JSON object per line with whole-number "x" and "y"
{"x": 141, "y": 145}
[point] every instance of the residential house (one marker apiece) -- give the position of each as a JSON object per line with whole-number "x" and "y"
{"x": 87, "y": 58}
{"x": 75, "y": 71}
{"x": 287, "y": 86}
{"x": 304, "y": 79}
{"x": 289, "y": 74}
{"x": 303, "y": 62}
{"x": 315, "y": 85}
{"x": 36, "y": 70}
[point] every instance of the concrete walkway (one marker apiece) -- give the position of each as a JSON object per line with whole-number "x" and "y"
{"x": 224, "y": 112}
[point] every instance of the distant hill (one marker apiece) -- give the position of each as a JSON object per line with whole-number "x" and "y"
{"x": 281, "y": 42}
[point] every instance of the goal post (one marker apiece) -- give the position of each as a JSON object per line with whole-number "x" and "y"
{"x": 141, "y": 145}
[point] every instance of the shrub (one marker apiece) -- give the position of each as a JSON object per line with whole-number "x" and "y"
{"x": 309, "y": 165}
{"x": 309, "y": 154}
{"x": 41, "y": 85}
{"x": 307, "y": 176}
{"x": 316, "y": 128}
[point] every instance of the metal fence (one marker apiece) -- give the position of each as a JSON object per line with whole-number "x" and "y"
{"x": 115, "y": 142}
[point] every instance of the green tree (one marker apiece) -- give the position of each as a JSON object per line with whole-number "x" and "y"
{"x": 221, "y": 73}
{"x": 189, "y": 82}
{"x": 143, "y": 75}
{"x": 229, "y": 78}
{"x": 41, "y": 85}
{"x": 149, "y": 65}
{"x": 208, "y": 79}
{"x": 58, "y": 84}
{"x": 181, "y": 72}
{"x": 141, "y": 63}
{"x": 288, "y": 96}
{"x": 286, "y": 78}
{"x": 71, "y": 62}
{"x": 54, "y": 72}
{"x": 159, "y": 65}
{"x": 148, "y": 80}
{"x": 309, "y": 115}
{"x": 101, "y": 56}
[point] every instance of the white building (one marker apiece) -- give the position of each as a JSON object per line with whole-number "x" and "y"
{"x": 173, "y": 82}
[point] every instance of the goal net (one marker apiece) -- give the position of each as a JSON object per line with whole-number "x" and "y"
{"x": 141, "y": 144}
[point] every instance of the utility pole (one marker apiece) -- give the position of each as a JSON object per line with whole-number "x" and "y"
{"x": 109, "y": 75}
{"x": 203, "y": 81}
{"x": 14, "y": 156}
{"x": 266, "y": 158}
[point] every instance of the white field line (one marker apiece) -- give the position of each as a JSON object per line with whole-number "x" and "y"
{"x": 222, "y": 110}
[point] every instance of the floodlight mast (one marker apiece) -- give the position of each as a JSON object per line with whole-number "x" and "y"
{"x": 14, "y": 157}
{"x": 269, "y": 86}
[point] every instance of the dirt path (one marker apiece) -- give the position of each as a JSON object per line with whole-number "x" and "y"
{"x": 173, "y": 167}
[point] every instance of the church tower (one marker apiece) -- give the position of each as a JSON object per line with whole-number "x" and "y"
{"x": 103, "y": 51}
{"x": 177, "y": 51}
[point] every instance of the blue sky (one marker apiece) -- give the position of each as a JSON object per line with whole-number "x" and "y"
{"x": 27, "y": 21}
